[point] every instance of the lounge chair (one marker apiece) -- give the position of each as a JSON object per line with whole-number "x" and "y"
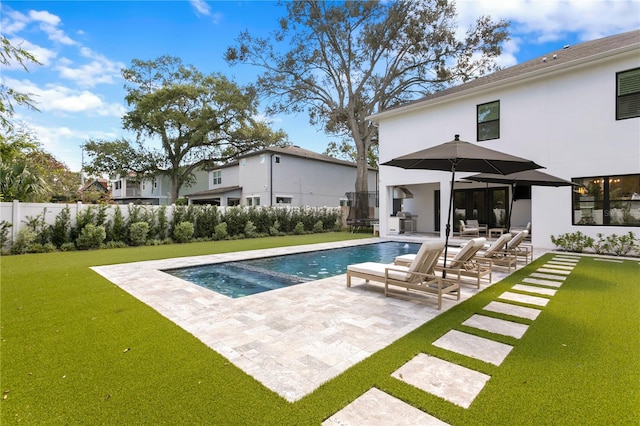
{"x": 483, "y": 228}
{"x": 468, "y": 230}
{"x": 464, "y": 263}
{"x": 418, "y": 276}
{"x": 499, "y": 254}
{"x": 518, "y": 248}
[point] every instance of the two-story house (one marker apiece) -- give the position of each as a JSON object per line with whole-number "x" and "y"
{"x": 575, "y": 111}
{"x": 275, "y": 176}
{"x": 154, "y": 191}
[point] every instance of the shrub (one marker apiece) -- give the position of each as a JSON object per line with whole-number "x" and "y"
{"x": 4, "y": 233}
{"x": 318, "y": 227}
{"x": 250, "y": 230}
{"x": 42, "y": 248}
{"x": 623, "y": 244}
{"x": 220, "y": 232}
{"x": 114, "y": 244}
{"x": 183, "y": 232}
{"x": 161, "y": 224}
{"x": 25, "y": 238}
{"x": 138, "y": 233}
{"x": 338, "y": 225}
{"x": 299, "y": 228}
{"x": 575, "y": 242}
{"x": 61, "y": 227}
{"x": 118, "y": 230}
{"x": 601, "y": 245}
{"x": 91, "y": 237}
{"x": 69, "y": 246}
{"x": 275, "y": 228}
{"x": 39, "y": 225}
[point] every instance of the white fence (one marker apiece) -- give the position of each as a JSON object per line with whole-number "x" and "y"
{"x": 17, "y": 213}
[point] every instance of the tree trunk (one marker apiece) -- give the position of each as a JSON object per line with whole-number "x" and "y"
{"x": 175, "y": 188}
{"x": 362, "y": 181}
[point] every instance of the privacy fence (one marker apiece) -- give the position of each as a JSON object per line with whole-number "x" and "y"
{"x": 30, "y": 227}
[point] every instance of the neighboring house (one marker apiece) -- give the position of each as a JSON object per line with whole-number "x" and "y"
{"x": 155, "y": 191}
{"x": 95, "y": 190}
{"x": 276, "y": 176}
{"x": 575, "y": 111}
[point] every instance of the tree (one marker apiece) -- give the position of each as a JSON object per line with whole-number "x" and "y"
{"x": 19, "y": 178}
{"x": 200, "y": 120}
{"x": 8, "y": 97}
{"x": 348, "y": 60}
{"x": 28, "y": 173}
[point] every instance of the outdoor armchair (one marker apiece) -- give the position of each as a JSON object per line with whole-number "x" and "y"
{"x": 468, "y": 230}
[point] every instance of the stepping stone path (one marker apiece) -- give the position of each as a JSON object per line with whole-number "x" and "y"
{"x": 451, "y": 382}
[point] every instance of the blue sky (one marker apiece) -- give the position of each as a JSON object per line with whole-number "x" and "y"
{"x": 83, "y": 45}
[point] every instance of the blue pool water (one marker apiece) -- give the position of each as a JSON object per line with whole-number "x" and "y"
{"x": 243, "y": 278}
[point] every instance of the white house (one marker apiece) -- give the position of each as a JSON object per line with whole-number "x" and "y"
{"x": 154, "y": 191}
{"x": 289, "y": 175}
{"x": 575, "y": 111}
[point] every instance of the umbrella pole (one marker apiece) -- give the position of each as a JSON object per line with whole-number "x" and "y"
{"x": 448, "y": 227}
{"x": 513, "y": 190}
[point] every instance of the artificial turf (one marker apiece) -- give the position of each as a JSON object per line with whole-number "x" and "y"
{"x": 76, "y": 349}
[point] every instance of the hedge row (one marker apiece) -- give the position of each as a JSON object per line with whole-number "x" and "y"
{"x": 94, "y": 228}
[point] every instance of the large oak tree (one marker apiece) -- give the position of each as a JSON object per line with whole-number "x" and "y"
{"x": 199, "y": 120}
{"x": 343, "y": 61}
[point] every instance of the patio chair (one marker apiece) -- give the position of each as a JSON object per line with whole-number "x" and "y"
{"x": 468, "y": 230}
{"x": 499, "y": 254}
{"x": 518, "y": 248}
{"x": 464, "y": 263}
{"x": 475, "y": 224}
{"x": 418, "y": 276}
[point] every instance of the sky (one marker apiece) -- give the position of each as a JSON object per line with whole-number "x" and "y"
{"x": 83, "y": 45}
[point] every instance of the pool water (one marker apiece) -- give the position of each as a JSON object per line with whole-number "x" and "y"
{"x": 243, "y": 278}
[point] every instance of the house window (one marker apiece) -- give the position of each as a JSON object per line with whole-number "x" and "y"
{"x": 284, "y": 200}
{"x": 607, "y": 200}
{"x": 117, "y": 185}
{"x": 489, "y": 121}
{"x": 253, "y": 201}
{"x": 277, "y": 159}
{"x": 628, "y": 94}
{"x": 217, "y": 177}
{"x": 233, "y": 202}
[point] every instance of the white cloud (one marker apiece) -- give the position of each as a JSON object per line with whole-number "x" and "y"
{"x": 56, "y": 98}
{"x": 99, "y": 71}
{"x": 64, "y": 142}
{"x": 201, "y": 7}
{"x": 541, "y": 21}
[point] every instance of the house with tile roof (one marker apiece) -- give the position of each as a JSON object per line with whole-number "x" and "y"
{"x": 575, "y": 111}
{"x": 281, "y": 176}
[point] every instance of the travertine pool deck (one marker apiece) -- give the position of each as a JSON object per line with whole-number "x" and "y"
{"x": 293, "y": 339}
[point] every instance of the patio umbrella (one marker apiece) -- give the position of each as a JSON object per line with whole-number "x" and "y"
{"x": 527, "y": 178}
{"x": 461, "y": 156}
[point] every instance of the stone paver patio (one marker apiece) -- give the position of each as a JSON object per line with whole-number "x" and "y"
{"x": 293, "y": 339}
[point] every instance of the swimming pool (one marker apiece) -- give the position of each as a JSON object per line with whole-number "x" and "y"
{"x": 244, "y": 278}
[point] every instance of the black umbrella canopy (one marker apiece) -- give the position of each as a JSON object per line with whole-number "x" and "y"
{"x": 527, "y": 177}
{"x": 462, "y": 156}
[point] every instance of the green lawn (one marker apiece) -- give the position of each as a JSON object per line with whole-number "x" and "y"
{"x": 76, "y": 349}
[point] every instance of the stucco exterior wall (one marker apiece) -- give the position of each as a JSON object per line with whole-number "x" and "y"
{"x": 564, "y": 121}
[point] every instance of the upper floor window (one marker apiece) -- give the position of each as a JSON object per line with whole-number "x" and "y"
{"x": 628, "y": 94}
{"x": 217, "y": 177}
{"x": 489, "y": 121}
{"x": 117, "y": 185}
